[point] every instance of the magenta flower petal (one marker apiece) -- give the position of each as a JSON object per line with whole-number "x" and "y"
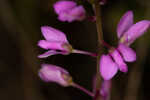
{"x": 52, "y": 34}
{"x": 125, "y": 22}
{"x": 136, "y": 31}
{"x": 52, "y": 73}
{"x": 128, "y": 53}
{"x": 108, "y": 68}
{"x": 119, "y": 61}
{"x": 62, "y": 6}
{"x": 78, "y": 13}
{"x": 65, "y": 16}
{"x": 51, "y": 45}
{"x": 50, "y": 53}
{"x": 69, "y": 11}
{"x": 43, "y": 44}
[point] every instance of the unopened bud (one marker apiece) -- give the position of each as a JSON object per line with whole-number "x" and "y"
{"x": 52, "y": 73}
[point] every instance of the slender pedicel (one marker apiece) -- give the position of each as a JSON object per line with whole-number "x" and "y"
{"x": 82, "y": 89}
{"x": 84, "y": 52}
{"x": 106, "y": 44}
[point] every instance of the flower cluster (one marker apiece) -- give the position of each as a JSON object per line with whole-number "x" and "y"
{"x": 127, "y": 33}
{"x": 56, "y": 42}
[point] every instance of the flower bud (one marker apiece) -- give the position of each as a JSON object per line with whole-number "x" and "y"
{"x": 105, "y": 89}
{"x": 52, "y": 73}
{"x": 69, "y": 11}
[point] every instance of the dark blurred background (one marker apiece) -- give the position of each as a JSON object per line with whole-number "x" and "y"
{"x": 20, "y": 22}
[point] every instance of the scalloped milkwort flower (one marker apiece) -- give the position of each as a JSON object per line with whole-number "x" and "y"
{"x": 69, "y": 11}
{"x": 127, "y": 33}
{"x": 56, "y": 43}
{"x": 53, "y": 73}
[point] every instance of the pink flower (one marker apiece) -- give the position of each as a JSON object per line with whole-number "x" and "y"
{"x": 56, "y": 43}
{"x": 52, "y": 73}
{"x": 69, "y": 11}
{"x": 103, "y": 2}
{"x": 127, "y": 33}
{"x": 108, "y": 68}
{"x": 105, "y": 89}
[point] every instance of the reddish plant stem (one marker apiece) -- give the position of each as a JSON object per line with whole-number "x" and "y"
{"x": 106, "y": 45}
{"x": 97, "y": 10}
{"x": 84, "y": 52}
{"x": 83, "y": 89}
